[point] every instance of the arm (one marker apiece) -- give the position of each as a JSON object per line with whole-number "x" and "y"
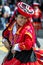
{"x": 6, "y": 43}
{"x": 29, "y": 39}
{"x": 5, "y": 36}
{"x": 27, "y": 44}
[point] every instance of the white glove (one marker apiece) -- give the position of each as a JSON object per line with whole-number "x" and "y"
{"x": 3, "y": 40}
{"x": 16, "y": 47}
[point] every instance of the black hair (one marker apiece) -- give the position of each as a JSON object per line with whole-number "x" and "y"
{"x": 17, "y": 13}
{"x": 0, "y": 3}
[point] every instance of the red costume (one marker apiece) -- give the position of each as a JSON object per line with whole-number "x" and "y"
{"x": 37, "y": 16}
{"x": 25, "y": 38}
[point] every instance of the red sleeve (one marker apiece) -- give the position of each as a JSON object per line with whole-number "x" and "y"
{"x": 27, "y": 44}
{"x": 5, "y": 33}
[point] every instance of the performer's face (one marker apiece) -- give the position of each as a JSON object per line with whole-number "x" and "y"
{"x": 21, "y": 20}
{"x": 35, "y": 7}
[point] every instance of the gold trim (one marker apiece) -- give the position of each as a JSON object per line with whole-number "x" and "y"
{"x": 18, "y": 30}
{"x": 28, "y": 27}
{"x": 23, "y": 47}
{"x": 29, "y": 34}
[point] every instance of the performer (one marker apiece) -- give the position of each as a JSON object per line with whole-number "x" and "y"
{"x": 37, "y": 16}
{"x": 21, "y": 35}
{"x": 37, "y": 19}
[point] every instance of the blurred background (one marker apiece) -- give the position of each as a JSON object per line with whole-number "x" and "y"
{"x": 7, "y": 8}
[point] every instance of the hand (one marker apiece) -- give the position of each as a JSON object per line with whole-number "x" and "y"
{"x": 6, "y": 43}
{"x": 13, "y": 51}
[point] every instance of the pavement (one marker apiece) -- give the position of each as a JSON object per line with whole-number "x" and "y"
{"x": 4, "y": 51}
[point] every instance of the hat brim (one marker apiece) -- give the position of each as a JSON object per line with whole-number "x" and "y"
{"x": 36, "y": 4}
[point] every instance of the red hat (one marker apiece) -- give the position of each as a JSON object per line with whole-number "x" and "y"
{"x": 25, "y": 9}
{"x": 36, "y": 4}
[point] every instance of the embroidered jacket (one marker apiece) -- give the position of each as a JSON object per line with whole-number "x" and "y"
{"x": 25, "y": 36}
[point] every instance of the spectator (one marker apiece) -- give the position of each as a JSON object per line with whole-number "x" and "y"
{"x": 37, "y": 19}
{"x": 2, "y": 19}
{"x": 7, "y": 13}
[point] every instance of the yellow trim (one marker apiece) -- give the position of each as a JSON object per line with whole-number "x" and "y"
{"x": 18, "y": 30}
{"x": 28, "y": 33}
{"x": 7, "y": 24}
{"x": 28, "y": 27}
{"x": 23, "y": 47}
{"x": 9, "y": 29}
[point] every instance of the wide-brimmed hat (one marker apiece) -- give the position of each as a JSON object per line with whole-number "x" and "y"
{"x": 25, "y": 9}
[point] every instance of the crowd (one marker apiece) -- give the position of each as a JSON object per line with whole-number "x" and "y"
{"x": 6, "y": 12}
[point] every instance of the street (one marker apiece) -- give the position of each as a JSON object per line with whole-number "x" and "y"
{"x": 4, "y": 51}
